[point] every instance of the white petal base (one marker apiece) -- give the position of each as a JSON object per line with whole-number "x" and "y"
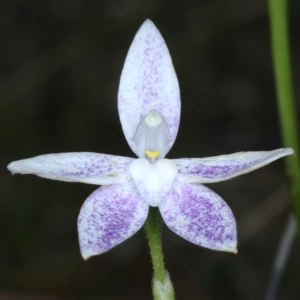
{"x": 153, "y": 180}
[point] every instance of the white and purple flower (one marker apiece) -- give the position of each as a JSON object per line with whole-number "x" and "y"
{"x": 149, "y": 109}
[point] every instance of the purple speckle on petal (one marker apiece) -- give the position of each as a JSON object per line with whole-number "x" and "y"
{"x": 109, "y": 216}
{"x": 201, "y": 216}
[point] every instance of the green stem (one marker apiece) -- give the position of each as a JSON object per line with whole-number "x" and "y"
{"x": 153, "y": 232}
{"x": 285, "y": 94}
{"x": 162, "y": 285}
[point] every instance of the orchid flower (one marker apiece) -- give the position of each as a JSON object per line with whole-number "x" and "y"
{"x": 149, "y": 110}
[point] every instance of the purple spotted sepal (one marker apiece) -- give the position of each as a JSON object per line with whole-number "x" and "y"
{"x": 85, "y": 167}
{"x": 109, "y": 216}
{"x": 148, "y": 82}
{"x": 200, "y": 216}
{"x": 224, "y": 167}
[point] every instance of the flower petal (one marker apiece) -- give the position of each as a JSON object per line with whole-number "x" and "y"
{"x": 200, "y": 216}
{"x": 109, "y": 216}
{"x": 86, "y": 167}
{"x": 223, "y": 167}
{"x": 148, "y": 82}
{"x": 153, "y": 180}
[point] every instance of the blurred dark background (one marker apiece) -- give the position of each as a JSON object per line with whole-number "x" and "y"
{"x": 60, "y": 67}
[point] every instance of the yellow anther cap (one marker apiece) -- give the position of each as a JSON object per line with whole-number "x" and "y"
{"x": 152, "y": 154}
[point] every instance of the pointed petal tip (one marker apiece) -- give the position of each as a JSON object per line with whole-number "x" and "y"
{"x": 19, "y": 167}
{"x": 286, "y": 152}
{"x": 233, "y": 250}
{"x": 148, "y": 24}
{"x": 291, "y": 151}
{"x": 147, "y": 21}
{"x": 147, "y": 27}
{"x": 87, "y": 256}
{"x": 230, "y": 247}
{"x": 13, "y": 168}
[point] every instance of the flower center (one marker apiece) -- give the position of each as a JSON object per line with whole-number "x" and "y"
{"x": 152, "y": 136}
{"x": 153, "y": 180}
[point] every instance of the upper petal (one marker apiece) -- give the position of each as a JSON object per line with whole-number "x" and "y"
{"x": 200, "y": 216}
{"x": 109, "y": 216}
{"x": 223, "y": 167}
{"x": 148, "y": 82}
{"x": 86, "y": 167}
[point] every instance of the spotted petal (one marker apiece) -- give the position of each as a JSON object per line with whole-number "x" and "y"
{"x": 86, "y": 167}
{"x": 200, "y": 216}
{"x": 109, "y": 216}
{"x": 223, "y": 167}
{"x": 148, "y": 82}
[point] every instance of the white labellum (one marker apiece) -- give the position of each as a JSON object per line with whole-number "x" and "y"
{"x": 153, "y": 180}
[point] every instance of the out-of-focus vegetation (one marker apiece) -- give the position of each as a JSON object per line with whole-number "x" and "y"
{"x": 60, "y": 67}
{"x": 279, "y": 28}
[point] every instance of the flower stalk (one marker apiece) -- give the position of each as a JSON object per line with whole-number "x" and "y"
{"x": 285, "y": 94}
{"x": 162, "y": 285}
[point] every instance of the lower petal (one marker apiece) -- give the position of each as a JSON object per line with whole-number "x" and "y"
{"x": 200, "y": 216}
{"x": 109, "y": 216}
